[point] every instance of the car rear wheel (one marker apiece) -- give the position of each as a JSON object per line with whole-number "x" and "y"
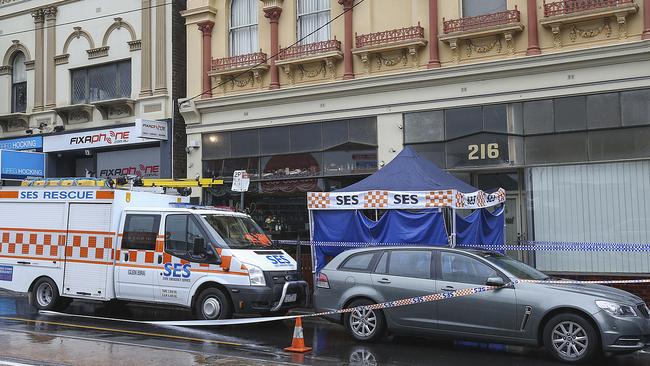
{"x": 45, "y": 294}
{"x": 212, "y": 304}
{"x": 363, "y": 324}
{"x": 571, "y": 338}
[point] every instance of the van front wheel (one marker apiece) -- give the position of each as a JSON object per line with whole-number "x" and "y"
{"x": 45, "y": 294}
{"x": 212, "y": 304}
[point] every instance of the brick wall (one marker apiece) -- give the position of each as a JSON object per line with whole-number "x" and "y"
{"x": 642, "y": 289}
{"x": 179, "y": 87}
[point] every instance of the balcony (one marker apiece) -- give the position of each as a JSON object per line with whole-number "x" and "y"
{"x": 402, "y": 43}
{"x": 324, "y": 55}
{"x": 469, "y": 30}
{"x": 239, "y": 71}
{"x": 560, "y": 14}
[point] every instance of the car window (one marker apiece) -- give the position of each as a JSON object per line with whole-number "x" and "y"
{"x": 140, "y": 232}
{"x": 463, "y": 269}
{"x": 358, "y": 262}
{"x": 410, "y": 263}
{"x": 382, "y": 265}
{"x": 180, "y": 232}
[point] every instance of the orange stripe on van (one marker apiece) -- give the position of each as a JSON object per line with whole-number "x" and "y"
{"x": 8, "y": 194}
{"x": 104, "y": 195}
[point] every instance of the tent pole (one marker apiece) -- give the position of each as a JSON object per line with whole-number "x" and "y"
{"x": 311, "y": 243}
{"x": 376, "y": 215}
{"x": 453, "y": 228}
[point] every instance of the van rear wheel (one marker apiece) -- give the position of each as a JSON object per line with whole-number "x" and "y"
{"x": 212, "y": 304}
{"x": 45, "y": 294}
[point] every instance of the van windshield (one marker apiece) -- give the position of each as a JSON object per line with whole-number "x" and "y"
{"x": 238, "y": 232}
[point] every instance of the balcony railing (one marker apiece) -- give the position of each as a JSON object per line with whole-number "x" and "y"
{"x": 481, "y": 21}
{"x": 309, "y": 49}
{"x": 563, "y": 7}
{"x": 234, "y": 62}
{"x": 390, "y": 36}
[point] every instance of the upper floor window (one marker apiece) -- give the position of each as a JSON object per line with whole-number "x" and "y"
{"x": 102, "y": 82}
{"x": 479, "y": 7}
{"x": 18, "y": 84}
{"x": 243, "y": 27}
{"x": 312, "y": 15}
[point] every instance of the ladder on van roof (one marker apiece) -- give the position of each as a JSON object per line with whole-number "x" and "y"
{"x": 121, "y": 183}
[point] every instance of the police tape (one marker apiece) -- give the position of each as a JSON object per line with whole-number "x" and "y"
{"x": 527, "y": 245}
{"x": 379, "y": 306}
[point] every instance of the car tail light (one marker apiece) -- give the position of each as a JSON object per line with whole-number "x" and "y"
{"x": 322, "y": 281}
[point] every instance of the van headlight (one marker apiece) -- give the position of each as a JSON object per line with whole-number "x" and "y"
{"x": 615, "y": 309}
{"x": 255, "y": 275}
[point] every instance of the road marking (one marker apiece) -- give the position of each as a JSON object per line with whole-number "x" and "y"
{"x": 124, "y": 331}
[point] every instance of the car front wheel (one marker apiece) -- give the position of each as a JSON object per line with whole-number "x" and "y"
{"x": 212, "y": 304}
{"x": 571, "y": 338}
{"x": 365, "y": 325}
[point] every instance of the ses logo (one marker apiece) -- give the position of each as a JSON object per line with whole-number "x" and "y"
{"x": 278, "y": 260}
{"x": 177, "y": 272}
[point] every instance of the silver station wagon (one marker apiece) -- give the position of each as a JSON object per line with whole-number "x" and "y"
{"x": 574, "y": 322}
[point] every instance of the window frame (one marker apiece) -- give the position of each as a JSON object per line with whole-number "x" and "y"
{"x": 432, "y": 265}
{"x": 15, "y": 85}
{"x": 232, "y": 28}
{"x": 376, "y": 254}
{"x": 438, "y": 260}
{"x": 127, "y": 217}
{"x": 118, "y": 87}
{"x": 299, "y": 18}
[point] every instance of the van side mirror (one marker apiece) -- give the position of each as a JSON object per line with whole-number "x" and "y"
{"x": 198, "y": 250}
{"x": 495, "y": 281}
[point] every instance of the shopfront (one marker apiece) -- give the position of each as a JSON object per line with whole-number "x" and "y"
{"x": 20, "y": 159}
{"x": 576, "y": 169}
{"x": 110, "y": 152}
{"x": 286, "y": 162}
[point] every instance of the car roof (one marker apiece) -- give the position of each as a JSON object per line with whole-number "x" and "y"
{"x": 187, "y": 210}
{"x": 418, "y": 247}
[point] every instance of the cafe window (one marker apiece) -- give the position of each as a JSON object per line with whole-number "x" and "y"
{"x": 603, "y": 111}
{"x": 306, "y": 137}
{"x": 495, "y": 118}
{"x": 244, "y": 143}
{"x": 216, "y": 145}
{"x": 102, "y": 82}
{"x": 480, "y": 7}
{"x": 560, "y": 148}
{"x": 424, "y": 126}
{"x": 628, "y": 143}
{"x": 18, "y": 84}
{"x": 538, "y": 117}
{"x": 313, "y": 19}
{"x": 463, "y": 121}
{"x": 291, "y": 166}
{"x": 275, "y": 140}
{"x": 140, "y": 232}
{"x": 635, "y": 107}
{"x": 570, "y": 114}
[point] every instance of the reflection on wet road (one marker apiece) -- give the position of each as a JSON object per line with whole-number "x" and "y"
{"x": 27, "y": 335}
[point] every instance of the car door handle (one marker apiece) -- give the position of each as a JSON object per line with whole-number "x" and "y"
{"x": 448, "y": 288}
{"x": 126, "y": 257}
{"x": 384, "y": 280}
{"x": 160, "y": 258}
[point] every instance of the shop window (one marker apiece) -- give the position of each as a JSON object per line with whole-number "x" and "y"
{"x": 426, "y": 126}
{"x": 463, "y": 121}
{"x": 335, "y": 133}
{"x": 628, "y": 143}
{"x": 603, "y": 111}
{"x": 363, "y": 131}
{"x": 291, "y": 166}
{"x": 245, "y": 143}
{"x": 243, "y": 27}
{"x": 306, "y": 137}
{"x": 570, "y": 114}
{"x": 517, "y": 115}
{"x": 562, "y": 148}
{"x": 478, "y": 150}
{"x": 507, "y": 181}
{"x": 18, "y": 84}
{"x": 140, "y": 232}
{"x": 216, "y": 145}
{"x": 224, "y": 168}
{"x": 312, "y": 15}
{"x": 352, "y": 159}
{"x": 434, "y": 152}
{"x": 103, "y": 82}
{"x": 495, "y": 118}
{"x": 635, "y": 107}
{"x": 538, "y": 117}
{"x": 479, "y": 7}
{"x": 275, "y": 140}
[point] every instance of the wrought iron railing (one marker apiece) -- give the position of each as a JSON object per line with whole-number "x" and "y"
{"x": 481, "y": 21}
{"x": 309, "y": 49}
{"x": 390, "y": 36}
{"x": 562, "y": 7}
{"x": 233, "y": 62}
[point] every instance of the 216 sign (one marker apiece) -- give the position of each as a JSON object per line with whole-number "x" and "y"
{"x": 483, "y": 151}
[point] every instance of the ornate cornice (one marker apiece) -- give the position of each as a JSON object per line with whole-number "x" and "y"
{"x": 206, "y": 27}
{"x": 346, "y": 3}
{"x": 50, "y": 12}
{"x": 38, "y": 16}
{"x": 273, "y": 13}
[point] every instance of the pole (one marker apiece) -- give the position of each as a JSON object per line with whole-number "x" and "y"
{"x": 453, "y": 228}
{"x": 241, "y": 202}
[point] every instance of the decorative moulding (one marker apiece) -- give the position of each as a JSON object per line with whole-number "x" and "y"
{"x": 14, "y": 121}
{"x": 239, "y": 71}
{"x": 97, "y": 52}
{"x": 76, "y": 113}
{"x": 135, "y": 45}
{"x": 407, "y": 40}
{"x": 324, "y": 55}
{"x": 61, "y": 59}
{"x": 5, "y": 70}
{"x": 29, "y": 65}
{"x": 115, "y": 108}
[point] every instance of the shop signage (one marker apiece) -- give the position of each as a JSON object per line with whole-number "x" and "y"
{"x": 478, "y": 150}
{"x": 92, "y": 139}
{"x": 151, "y": 129}
{"x": 21, "y": 164}
{"x": 240, "y": 181}
{"x": 143, "y": 163}
{"x": 24, "y": 143}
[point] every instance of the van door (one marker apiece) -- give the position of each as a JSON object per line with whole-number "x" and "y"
{"x": 135, "y": 268}
{"x": 181, "y": 266}
{"x": 87, "y": 250}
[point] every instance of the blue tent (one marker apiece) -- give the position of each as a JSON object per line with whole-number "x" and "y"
{"x": 413, "y": 190}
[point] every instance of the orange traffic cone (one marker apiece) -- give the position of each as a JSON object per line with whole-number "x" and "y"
{"x": 298, "y": 341}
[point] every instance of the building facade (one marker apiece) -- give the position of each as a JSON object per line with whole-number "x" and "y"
{"x": 549, "y": 99}
{"x": 76, "y": 74}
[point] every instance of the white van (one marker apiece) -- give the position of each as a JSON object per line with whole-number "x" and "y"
{"x": 62, "y": 243}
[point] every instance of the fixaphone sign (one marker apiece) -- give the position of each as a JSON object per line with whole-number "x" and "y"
{"x": 151, "y": 129}
{"x": 92, "y": 139}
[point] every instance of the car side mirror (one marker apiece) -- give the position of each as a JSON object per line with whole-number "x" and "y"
{"x": 495, "y": 281}
{"x": 198, "y": 250}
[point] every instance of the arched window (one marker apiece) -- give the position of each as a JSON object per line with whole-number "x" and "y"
{"x": 479, "y": 7}
{"x": 243, "y": 27}
{"x": 18, "y": 84}
{"x": 313, "y": 14}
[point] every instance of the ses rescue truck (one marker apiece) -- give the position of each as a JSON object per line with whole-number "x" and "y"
{"x": 63, "y": 243}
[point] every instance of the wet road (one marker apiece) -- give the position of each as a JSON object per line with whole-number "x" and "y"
{"x": 29, "y": 337}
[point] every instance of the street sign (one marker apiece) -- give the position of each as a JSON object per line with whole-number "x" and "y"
{"x": 151, "y": 129}
{"x": 240, "y": 181}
